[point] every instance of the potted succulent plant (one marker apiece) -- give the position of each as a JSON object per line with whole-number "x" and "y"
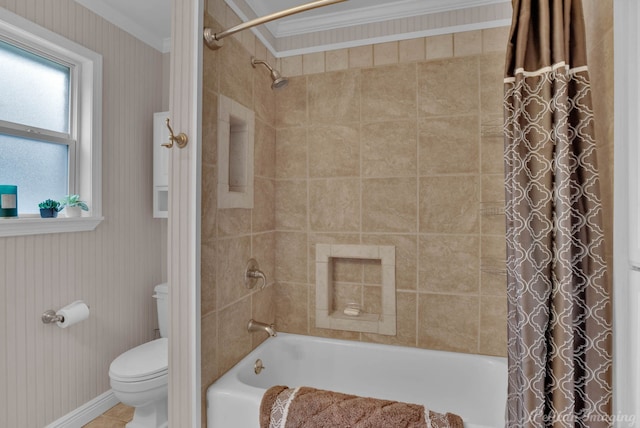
{"x": 49, "y": 208}
{"x": 73, "y": 205}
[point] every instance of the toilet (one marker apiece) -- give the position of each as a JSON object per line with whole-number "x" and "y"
{"x": 139, "y": 377}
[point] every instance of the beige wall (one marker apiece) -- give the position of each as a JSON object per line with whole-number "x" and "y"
{"x": 397, "y": 144}
{"x": 45, "y": 371}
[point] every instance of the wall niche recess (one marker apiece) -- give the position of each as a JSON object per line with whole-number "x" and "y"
{"x": 236, "y": 125}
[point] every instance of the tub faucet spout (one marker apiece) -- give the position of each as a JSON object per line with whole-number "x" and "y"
{"x": 270, "y": 329}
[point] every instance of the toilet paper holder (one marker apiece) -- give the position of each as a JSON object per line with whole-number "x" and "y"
{"x": 50, "y": 317}
{"x": 58, "y": 317}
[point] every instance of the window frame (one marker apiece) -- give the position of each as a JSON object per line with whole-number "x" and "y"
{"x": 85, "y": 163}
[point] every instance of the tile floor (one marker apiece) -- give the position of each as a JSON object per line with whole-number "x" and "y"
{"x": 115, "y": 417}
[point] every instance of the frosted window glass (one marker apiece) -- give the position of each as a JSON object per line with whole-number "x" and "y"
{"x": 39, "y": 170}
{"x": 34, "y": 91}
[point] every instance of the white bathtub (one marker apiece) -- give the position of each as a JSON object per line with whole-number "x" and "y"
{"x": 472, "y": 386}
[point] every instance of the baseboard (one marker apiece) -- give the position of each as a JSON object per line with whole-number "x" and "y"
{"x": 87, "y": 412}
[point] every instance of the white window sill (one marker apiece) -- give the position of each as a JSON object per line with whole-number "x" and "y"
{"x": 38, "y": 226}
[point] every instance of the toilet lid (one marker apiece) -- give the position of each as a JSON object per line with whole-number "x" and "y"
{"x": 146, "y": 361}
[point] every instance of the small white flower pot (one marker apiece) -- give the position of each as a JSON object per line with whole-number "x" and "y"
{"x": 73, "y": 211}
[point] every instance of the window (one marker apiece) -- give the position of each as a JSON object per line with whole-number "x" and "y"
{"x": 50, "y": 124}
{"x": 35, "y": 99}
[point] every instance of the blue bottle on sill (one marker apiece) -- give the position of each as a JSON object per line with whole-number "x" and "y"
{"x": 8, "y": 201}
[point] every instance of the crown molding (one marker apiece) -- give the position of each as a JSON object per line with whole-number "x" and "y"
{"x": 283, "y": 52}
{"x": 443, "y": 18}
{"x": 370, "y": 14}
{"x": 121, "y": 19}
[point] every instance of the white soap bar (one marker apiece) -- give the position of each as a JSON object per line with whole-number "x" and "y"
{"x": 351, "y": 311}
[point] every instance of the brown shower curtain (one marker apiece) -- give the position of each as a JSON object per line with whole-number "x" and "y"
{"x": 559, "y": 306}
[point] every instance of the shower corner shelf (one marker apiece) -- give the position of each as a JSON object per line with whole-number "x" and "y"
{"x": 491, "y": 208}
{"x": 493, "y": 266}
{"x": 492, "y": 270}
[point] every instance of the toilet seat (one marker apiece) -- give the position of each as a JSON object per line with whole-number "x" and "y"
{"x": 143, "y": 363}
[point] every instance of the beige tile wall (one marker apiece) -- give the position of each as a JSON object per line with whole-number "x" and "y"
{"x": 230, "y": 237}
{"x": 397, "y": 143}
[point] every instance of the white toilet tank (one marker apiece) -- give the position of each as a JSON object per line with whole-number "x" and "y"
{"x": 161, "y": 293}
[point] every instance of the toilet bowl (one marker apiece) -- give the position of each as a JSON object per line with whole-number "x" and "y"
{"x": 139, "y": 377}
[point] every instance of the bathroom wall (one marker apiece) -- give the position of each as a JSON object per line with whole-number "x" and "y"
{"x": 45, "y": 371}
{"x": 398, "y": 144}
{"x": 231, "y": 236}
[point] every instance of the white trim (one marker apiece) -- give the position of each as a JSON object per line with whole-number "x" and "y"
{"x": 313, "y": 41}
{"x": 626, "y": 237}
{"x": 368, "y": 14}
{"x": 166, "y": 45}
{"x": 382, "y": 39}
{"x": 39, "y": 226}
{"x": 183, "y": 265}
{"x": 87, "y": 412}
{"x": 35, "y": 133}
{"x": 372, "y": 15}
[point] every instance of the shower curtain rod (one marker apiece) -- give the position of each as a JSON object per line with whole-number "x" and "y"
{"x": 214, "y": 40}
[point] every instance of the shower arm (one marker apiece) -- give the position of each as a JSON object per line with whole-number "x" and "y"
{"x": 214, "y": 40}
{"x": 255, "y": 61}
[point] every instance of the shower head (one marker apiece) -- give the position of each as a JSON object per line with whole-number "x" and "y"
{"x": 279, "y": 81}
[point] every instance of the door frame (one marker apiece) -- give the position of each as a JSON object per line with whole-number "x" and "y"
{"x": 626, "y": 283}
{"x": 183, "y": 268}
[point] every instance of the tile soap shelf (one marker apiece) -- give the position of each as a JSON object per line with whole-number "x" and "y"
{"x": 353, "y": 318}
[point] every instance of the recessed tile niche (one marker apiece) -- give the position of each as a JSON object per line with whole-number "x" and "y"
{"x": 236, "y": 125}
{"x": 332, "y": 317}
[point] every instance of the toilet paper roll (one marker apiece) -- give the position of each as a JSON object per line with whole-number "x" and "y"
{"x": 73, "y": 313}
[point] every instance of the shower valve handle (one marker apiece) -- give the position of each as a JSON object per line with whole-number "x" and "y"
{"x": 252, "y": 274}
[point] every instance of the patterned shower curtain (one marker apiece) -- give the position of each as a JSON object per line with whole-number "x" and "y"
{"x": 559, "y": 306}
